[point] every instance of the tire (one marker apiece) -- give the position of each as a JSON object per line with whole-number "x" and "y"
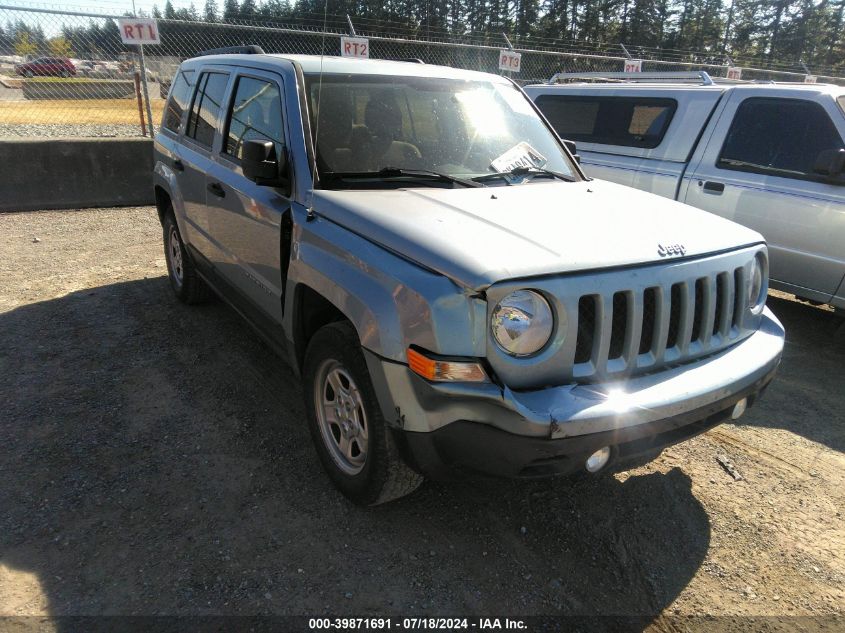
{"x": 377, "y": 473}
{"x": 64, "y": 74}
{"x": 28, "y": 74}
{"x": 186, "y": 283}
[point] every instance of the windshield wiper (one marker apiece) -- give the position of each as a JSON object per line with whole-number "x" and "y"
{"x": 522, "y": 171}
{"x": 396, "y": 172}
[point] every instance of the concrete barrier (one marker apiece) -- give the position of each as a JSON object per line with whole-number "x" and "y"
{"x": 75, "y": 173}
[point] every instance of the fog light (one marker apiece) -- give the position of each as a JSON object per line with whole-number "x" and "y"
{"x": 739, "y": 409}
{"x": 598, "y": 460}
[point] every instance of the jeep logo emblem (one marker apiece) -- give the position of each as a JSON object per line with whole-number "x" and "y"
{"x": 669, "y": 251}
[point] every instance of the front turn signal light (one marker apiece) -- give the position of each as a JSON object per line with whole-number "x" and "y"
{"x": 445, "y": 370}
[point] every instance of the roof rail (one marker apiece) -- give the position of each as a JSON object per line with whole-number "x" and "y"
{"x": 249, "y": 49}
{"x": 699, "y": 76}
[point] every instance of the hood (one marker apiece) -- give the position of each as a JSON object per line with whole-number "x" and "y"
{"x": 478, "y": 236}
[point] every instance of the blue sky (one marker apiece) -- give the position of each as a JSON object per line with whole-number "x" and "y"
{"x": 105, "y": 6}
{"x": 51, "y": 24}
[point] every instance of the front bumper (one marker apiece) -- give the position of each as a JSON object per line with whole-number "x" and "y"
{"x": 452, "y": 421}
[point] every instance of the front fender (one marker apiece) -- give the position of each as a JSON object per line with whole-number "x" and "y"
{"x": 392, "y": 302}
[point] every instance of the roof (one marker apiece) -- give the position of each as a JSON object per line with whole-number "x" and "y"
{"x": 328, "y": 64}
{"x": 831, "y": 89}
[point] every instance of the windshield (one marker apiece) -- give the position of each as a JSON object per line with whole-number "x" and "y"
{"x": 458, "y": 128}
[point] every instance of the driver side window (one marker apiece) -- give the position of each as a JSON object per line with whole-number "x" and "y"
{"x": 779, "y": 137}
{"x": 255, "y": 114}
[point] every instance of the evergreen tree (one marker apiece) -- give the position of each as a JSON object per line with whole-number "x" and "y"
{"x": 230, "y": 10}
{"x": 209, "y": 12}
{"x": 248, "y": 10}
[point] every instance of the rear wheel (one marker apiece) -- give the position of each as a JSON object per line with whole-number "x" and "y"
{"x": 64, "y": 74}
{"x": 28, "y": 74}
{"x": 186, "y": 283}
{"x": 355, "y": 445}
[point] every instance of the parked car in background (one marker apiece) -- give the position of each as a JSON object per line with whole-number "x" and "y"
{"x": 93, "y": 69}
{"x": 47, "y": 67}
{"x": 454, "y": 292}
{"x": 768, "y": 156}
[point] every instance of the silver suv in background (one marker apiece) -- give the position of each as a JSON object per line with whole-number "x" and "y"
{"x": 456, "y": 295}
{"x": 768, "y": 156}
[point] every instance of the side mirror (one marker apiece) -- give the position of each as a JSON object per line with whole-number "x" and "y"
{"x": 830, "y": 163}
{"x": 570, "y": 145}
{"x": 261, "y": 165}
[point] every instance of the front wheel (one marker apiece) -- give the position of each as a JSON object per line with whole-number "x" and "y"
{"x": 28, "y": 74}
{"x": 354, "y": 444}
{"x": 186, "y": 283}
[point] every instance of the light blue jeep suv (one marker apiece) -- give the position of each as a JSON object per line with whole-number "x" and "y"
{"x": 457, "y": 296}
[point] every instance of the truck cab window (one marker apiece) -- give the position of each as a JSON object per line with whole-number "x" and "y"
{"x": 780, "y": 137}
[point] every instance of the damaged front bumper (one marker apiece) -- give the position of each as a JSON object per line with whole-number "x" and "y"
{"x": 492, "y": 429}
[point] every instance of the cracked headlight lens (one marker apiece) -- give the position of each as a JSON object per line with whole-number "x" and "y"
{"x": 522, "y": 323}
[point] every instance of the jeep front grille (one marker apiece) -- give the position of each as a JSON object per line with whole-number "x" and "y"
{"x": 621, "y": 322}
{"x": 631, "y": 329}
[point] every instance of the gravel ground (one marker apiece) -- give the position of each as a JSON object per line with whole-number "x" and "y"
{"x": 154, "y": 460}
{"x": 67, "y": 130}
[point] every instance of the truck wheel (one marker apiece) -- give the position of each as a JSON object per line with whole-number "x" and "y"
{"x": 353, "y": 442}
{"x": 187, "y": 285}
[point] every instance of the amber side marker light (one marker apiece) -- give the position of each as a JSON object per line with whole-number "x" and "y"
{"x": 443, "y": 370}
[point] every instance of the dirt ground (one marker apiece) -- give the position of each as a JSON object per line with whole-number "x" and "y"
{"x": 69, "y": 111}
{"x": 154, "y": 460}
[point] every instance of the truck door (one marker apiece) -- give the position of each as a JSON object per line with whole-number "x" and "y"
{"x": 757, "y": 169}
{"x": 246, "y": 218}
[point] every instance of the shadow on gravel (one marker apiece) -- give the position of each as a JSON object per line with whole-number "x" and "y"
{"x": 806, "y": 395}
{"x": 154, "y": 460}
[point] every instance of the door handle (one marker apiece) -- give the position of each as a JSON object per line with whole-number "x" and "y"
{"x": 178, "y": 165}
{"x": 216, "y": 189}
{"x": 714, "y": 187}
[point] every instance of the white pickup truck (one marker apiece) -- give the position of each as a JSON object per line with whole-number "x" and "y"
{"x": 769, "y": 156}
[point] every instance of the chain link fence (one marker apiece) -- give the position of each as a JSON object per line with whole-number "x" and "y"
{"x": 67, "y": 73}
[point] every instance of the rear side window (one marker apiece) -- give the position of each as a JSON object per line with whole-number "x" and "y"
{"x": 780, "y": 137}
{"x": 256, "y": 115}
{"x": 628, "y": 121}
{"x": 180, "y": 93}
{"x": 205, "y": 112}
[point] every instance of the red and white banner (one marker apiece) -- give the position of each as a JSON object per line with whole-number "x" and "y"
{"x": 355, "y": 47}
{"x": 633, "y": 65}
{"x": 137, "y": 31}
{"x": 510, "y": 60}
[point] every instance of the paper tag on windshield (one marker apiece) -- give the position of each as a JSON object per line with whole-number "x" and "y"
{"x": 520, "y": 155}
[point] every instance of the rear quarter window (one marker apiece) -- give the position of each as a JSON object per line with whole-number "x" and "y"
{"x": 627, "y": 121}
{"x": 178, "y": 99}
{"x": 205, "y": 111}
